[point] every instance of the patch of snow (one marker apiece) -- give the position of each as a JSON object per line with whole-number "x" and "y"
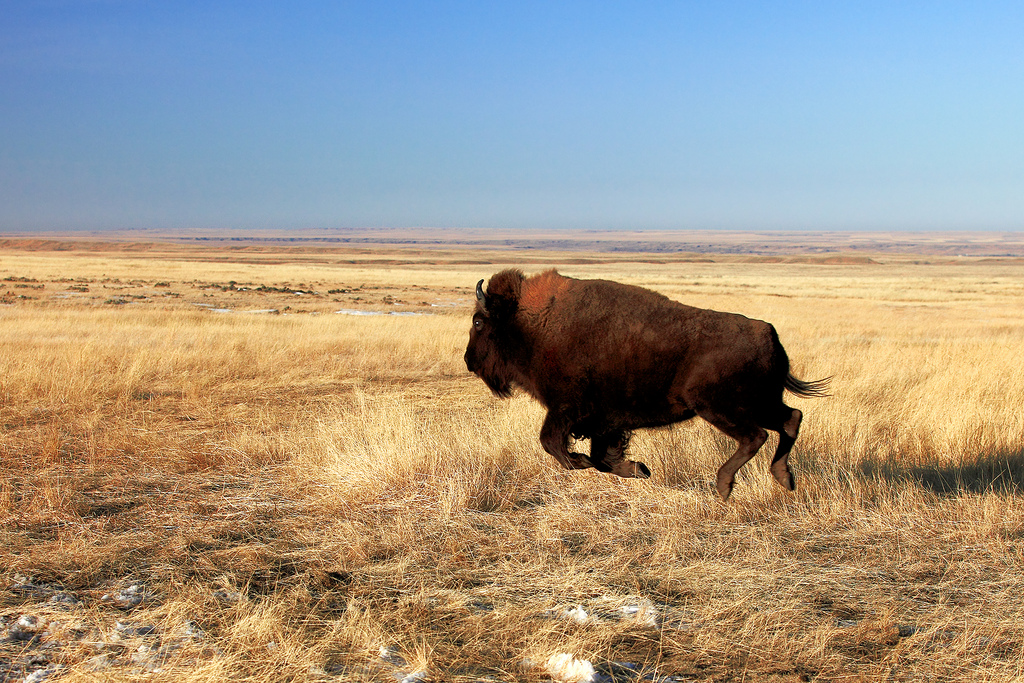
{"x": 579, "y": 615}
{"x": 131, "y": 596}
{"x": 565, "y": 668}
{"x": 42, "y": 674}
{"x": 27, "y": 627}
{"x": 211, "y": 308}
{"x": 644, "y": 613}
{"x": 354, "y": 311}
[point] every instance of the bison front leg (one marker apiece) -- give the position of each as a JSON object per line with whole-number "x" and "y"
{"x": 608, "y": 454}
{"x": 554, "y": 437}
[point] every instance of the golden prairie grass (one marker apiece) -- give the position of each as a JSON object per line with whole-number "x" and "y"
{"x": 309, "y": 488}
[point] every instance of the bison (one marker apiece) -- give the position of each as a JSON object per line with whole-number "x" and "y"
{"x": 607, "y": 358}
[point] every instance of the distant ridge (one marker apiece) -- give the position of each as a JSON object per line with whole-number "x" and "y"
{"x": 845, "y": 248}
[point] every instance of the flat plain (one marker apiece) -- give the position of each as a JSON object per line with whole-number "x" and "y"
{"x": 265, "y": 460}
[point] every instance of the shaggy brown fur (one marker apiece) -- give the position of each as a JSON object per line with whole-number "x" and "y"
{"x": 606, "y": 358}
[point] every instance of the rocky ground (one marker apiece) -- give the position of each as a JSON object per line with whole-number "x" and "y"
{"x": 53, "y": 631}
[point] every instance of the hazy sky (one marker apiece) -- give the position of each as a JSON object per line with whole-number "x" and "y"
{"x": 515, "y": 114}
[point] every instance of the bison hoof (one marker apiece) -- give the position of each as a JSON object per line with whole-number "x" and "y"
{"x": 724, "y": 489}
{"x": 785, "y": 479}
{"x": 631, "y": 470}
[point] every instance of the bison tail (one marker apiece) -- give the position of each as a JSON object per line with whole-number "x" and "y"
{"x": 813, "y": 389}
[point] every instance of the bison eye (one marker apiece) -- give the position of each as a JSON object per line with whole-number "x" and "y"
{"x": 478, "y": 323}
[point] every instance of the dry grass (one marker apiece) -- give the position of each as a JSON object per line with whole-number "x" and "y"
{"x": 309, "y": 488}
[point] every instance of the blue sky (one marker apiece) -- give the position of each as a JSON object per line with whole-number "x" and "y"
{"x": 513, "y": 115}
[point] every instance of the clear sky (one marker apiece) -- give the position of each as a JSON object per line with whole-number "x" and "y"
{"x": 516, "y": 114}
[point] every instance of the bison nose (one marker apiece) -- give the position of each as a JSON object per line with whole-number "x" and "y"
{"x": 469, "y": 362}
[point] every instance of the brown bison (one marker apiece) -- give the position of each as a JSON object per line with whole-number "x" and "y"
{"x": 606, "y": 358}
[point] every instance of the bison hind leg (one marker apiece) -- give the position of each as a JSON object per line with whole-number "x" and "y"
{"x": 749, "y": 443}
{"x": 608, "y": 454}
{"x": 749, "y": 437}
{"x": 788, "y": 432}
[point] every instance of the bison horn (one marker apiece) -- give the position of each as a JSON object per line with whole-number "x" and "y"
{"x": 480, "y": 293}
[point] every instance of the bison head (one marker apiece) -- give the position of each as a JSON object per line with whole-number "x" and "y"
{"x": 493, "y": 338}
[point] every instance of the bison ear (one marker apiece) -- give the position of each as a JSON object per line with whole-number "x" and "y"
{"x": 502, "y": 298}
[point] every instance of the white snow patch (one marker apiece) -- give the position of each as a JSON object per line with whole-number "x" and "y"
{"x": 565, "y": 668}
{"x": 355, "y": 311}
{"x": 579, "y": 615}
{"x": 643, "y": 612}
{"x": 212, "y": 309}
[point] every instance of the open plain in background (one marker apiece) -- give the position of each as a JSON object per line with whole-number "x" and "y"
{"x": 266, "y": 461}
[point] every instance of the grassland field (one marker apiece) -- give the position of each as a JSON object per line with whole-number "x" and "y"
{"x": 267, "y": 462}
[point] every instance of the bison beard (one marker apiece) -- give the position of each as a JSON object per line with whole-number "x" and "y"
{"x": 606, "y": 358}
